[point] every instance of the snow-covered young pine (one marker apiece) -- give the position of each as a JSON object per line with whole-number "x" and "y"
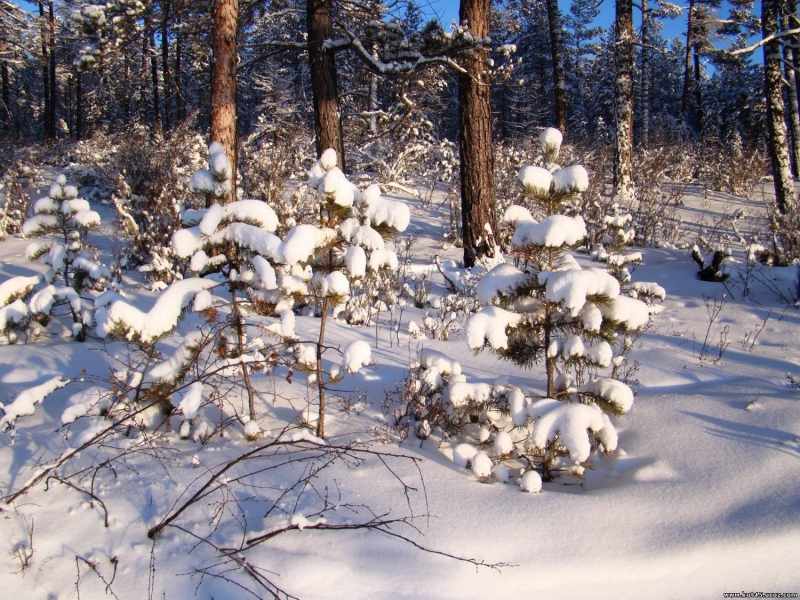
{"x": 544, "y": 308}
{"x": 246, "y": 283}
{"x": 333, "y": 267}
{"x": 61, "y": 221}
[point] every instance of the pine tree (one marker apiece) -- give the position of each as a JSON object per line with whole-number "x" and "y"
{"x": 549, "y": 309}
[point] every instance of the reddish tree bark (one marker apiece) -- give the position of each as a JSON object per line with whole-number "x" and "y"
{"x": 477, "y": 153}
{"x": 322, "y": 62}
{"x": 556, "y": 53}
{"x": 223, "y": 80}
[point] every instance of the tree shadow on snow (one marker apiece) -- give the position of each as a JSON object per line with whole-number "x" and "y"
{"x": 757, "y": 435}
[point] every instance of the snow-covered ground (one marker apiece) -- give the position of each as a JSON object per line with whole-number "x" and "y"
{"x": 702, "y": 498}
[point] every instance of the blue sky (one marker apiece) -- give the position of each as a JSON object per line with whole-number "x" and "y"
{"x": 447, "y": 12}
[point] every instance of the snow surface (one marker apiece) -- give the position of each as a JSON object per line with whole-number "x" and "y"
{"x": 699, "y": 498}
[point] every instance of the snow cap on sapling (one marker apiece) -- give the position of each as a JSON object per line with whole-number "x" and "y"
{"x": 358, "y": 354}
{"x": 531, "y": 482}
{"x": 463, "y": 454}
{"x": 570, "y": 180}
{"x": 328, "y": 159}
{"x": 550, "y": 140}
{"x": 481, "y": 465}
{"x": 536, "y": 181}
{"x": 503, "y": 444}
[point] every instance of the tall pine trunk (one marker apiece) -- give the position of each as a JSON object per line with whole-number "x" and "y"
{"x": 645, "y": 77}
{"x": 623, "y": 101}
{"x": 165, "y": 74}
{"x": 52, "y": 116}
{"x": 687, "y": 69}
{"x": 45, "y": 74}
{"x": 156, "y": 117}
{"x": 7, "y": 113}
{"x": 322, "y": 63}
{"x": 180, "y": 104}
{"x": 776, "y": 126}
{"x": 790, "y": 65}
{"x": 699, "y": 117}
{"x": 78, "y": 105}
{"x": 556, "y": 54}
{"x": 223, "y": 81}
{"x": 477, "y": 154}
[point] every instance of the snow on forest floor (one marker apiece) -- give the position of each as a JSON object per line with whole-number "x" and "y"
{"x": 702, "y": 498}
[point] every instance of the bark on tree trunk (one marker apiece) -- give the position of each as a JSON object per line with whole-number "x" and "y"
{"x": 373, "y": 100}
{"x": 45, "y": 73}
{"x": 181, "y": 101}
{"x": 698, "y": 93}
{"x": 223, "y": 81}
{"x": 126, "y": 95}
{"x": 478, "y": 220}
{"x": 776, "y": 126}
{"x": 623, "y": 101}
{"x": 556, "y": 53}
{"x": 645, "y": 89}
{"x": 322, "y": 63}
{"x": 156, "y": 118}
{"x": 78, "y": 105}
{"x": 687, "y": 69}
{"x": 52, "y": 116}
{"x": 7, "y": 120}
{"x": 790, "y": 58}
{"x": 165, "y": 75}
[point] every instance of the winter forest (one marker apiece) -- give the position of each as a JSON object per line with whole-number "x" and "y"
{"x": 452, "y": 299}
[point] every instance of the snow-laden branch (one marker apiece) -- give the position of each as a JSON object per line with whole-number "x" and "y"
{"x": 764, "y": 41}
{"x": 414, "y": 62}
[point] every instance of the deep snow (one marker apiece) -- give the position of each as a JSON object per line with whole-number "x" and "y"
{"x": 701, "y": 498}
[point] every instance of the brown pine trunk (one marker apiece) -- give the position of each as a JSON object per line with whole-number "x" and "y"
{"x": 790, "y": 58}
{"x": 478, "y": 220}
{"x": 181, "y": 101}
{"x": 53, "y": 113}
{"x": 698, "y": 93}
{"x": 78, "y": 105}
{"x": 687, "y": 68}
{"x": 623, "y": 101}
{"x": 645, "y": 86}
{"x": 45, "y": 73}
{"x": 776, "y": 126}
{"x": 322, "y": 63}
{"x": 165, "y": 75}
{"x": 126, "y": 89}
{"x": 556, "y": 53}
{"x": 7, "y": 120}
{"x": 155, "y": 115}
{"x": 223, "y": 80}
